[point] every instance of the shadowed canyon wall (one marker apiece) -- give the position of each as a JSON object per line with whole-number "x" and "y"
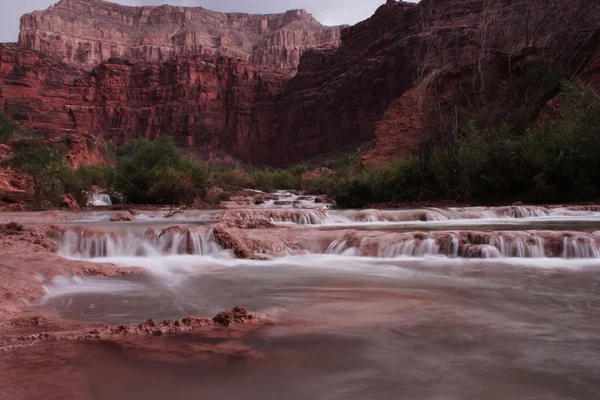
{"x": 276, "y": 89}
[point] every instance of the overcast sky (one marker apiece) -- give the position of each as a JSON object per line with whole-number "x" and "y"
{"x": 329, "y": 12}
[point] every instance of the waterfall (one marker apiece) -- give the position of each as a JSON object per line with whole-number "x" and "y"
{"x": 99, "y": 200}
{"x": 297, "y": 216}
{"x": 341, "y": 247}
{"x": 90, "y": 245}
{"x": 471, "y": 244}
{"x": 580, "y": 248}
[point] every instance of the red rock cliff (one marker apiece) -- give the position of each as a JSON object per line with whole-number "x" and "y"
{"x": 414, "y": 70}
{"x": 90, "y": 32}
{"x": 229, "y": 81}
{"x": 209, "y": 79}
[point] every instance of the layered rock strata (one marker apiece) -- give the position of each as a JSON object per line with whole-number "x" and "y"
{"x": 277, "y": 89}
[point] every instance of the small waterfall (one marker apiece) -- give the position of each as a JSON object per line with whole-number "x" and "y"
{"x": 580, "y": 248}
{"x": 341, "y": 247}
{"x": 472, "y": 244}
{"x": 414, "y": 247}
{"x": 99, "y": 200}
{"x": 90, "y": 245}
{"x": 297, "y": 216}
{"x": 530, "y": 247}
{"x": 450, "y": 214}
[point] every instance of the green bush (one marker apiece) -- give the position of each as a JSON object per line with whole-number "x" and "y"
{"x": 8, "y": 128}
{"x": 564, "y": 155}
{"x": 232, "y": 179}
{"x": 155, "y": 173}
{"x": 47, "y": 168}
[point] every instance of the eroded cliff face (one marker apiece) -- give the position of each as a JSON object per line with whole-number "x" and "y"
{"x": 411, "y": 71}
{"x": 90, "y": 32}
{"x": 209, "y": 79}
{"x": 277, "y": 89}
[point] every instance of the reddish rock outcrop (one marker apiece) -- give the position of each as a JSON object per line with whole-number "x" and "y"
{"x": 69, "y": 203}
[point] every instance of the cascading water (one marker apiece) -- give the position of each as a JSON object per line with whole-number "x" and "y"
{"x": 299, "y": 217}
{"x": 86, "y": 245}
{"x": 580, "y": 248}
{"x": 99, "y": 200}
{"x": 433, "y": 216}
{"x": 474, "y": 245}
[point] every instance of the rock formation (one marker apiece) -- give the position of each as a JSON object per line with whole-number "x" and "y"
{"x": 209, "y": 79}
{"x": 276, "y": 89}
{"x": 90, "y": 32}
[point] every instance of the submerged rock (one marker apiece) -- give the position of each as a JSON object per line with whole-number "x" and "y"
{"x": 122, "y": 218}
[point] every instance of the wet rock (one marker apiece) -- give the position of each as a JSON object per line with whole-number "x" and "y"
{"x": 249, "y": 224}
{"x": 122, "y": 218}
{"x": 228, "y": 241}
{"x": 236, "y": 314}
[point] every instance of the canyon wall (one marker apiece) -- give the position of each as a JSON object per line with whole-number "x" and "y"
{"x": 207, "y": 78}
{"x": 277, "y": 89}
{"x": 90, "y": 32}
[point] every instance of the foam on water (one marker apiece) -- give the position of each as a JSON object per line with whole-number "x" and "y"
{"x": 90, "y": 245}
{"x": 100, "y": 200}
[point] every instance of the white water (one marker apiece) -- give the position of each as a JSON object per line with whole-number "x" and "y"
{"x": 85, "y": 245}
{"x": 287, "y": 200}
{"x": 431, "y": 217}
{"x": 501, "y": 244}
{"x": 100, "y": 200}
{"x": 175, "y": 270}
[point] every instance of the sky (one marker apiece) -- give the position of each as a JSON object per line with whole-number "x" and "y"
{"x": 328, "y": 12}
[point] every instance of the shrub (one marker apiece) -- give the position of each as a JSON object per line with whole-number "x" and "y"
{"x": 47, "y": 168}
{"x": 155, "y": 173}
{"x": 233, "y": 179}
{"x": 8, "y": 128}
